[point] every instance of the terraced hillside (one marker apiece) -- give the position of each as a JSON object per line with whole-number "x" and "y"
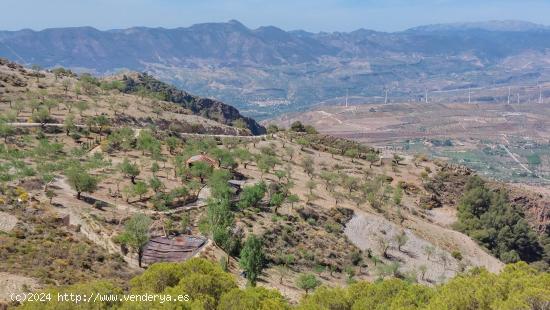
{"x": 89, "y": 175}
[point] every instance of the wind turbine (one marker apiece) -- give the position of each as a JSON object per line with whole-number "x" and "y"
{"x": 509, "y": 93}
{"x": 347, "y": 93}
{"x": 426, "y": 96}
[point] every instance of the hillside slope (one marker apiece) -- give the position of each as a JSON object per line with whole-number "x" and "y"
{"x": 90, "y": 176}
{"x": 205, "y": 107}
{"x": 160, "y": 96}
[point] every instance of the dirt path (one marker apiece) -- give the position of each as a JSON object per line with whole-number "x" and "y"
{"x": 123, "y": 207}
{"x": 329, "y": 115}
{"x": 221, "y": 136}
{"x": 517, "y": 160}
{"x": 137, "y": 130}
{"x": 76, "y": 210}
{"x": 40, "y": 125}
{"x": 97, "y": 149}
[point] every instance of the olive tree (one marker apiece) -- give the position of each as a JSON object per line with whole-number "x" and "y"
{"x": 136, "y": 233}
{"x": 80, "y": 180}
{"x": 130, "y": 170}
{"x": 307, "y": 282}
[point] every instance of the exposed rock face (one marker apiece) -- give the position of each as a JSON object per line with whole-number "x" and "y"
{"x": 9, "y": 64}
{"x": 12, "y": 79}
{"x": 225, "y": 114}
{"x": 204, "y": 107}
{"x": 430, "y": 201}
{"x": 447, "y": 186}
{"x": 536, "y": 207}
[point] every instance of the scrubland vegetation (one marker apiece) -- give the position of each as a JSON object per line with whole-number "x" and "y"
{"x": 98, "y": 177}
{"x": 489, "y": 217}
{"x": 516, "y": 287}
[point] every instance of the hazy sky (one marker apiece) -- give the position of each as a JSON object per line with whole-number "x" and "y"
{"x": 311, "y": 15}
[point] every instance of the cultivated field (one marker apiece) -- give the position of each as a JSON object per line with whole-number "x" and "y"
{"x": 505, "y": 141}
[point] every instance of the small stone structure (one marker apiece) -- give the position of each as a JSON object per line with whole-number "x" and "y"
{"x": 171, "y": 249}
{"x": 202, "y": 158}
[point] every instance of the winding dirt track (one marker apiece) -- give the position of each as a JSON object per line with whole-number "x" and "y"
{"x": 185, "y": 134}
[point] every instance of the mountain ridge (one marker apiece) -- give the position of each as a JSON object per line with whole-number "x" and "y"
{"x": 493, "y": 25}
{"x": 506, "y": 24}
{"x": 268, "y": 71}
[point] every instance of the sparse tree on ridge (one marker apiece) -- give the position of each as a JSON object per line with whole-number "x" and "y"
{"x": 311, "y": 185}
{"x": 244, "y": 156}
{"x": 36, "y": 68}
{"x": 41, "y": 116}
{"x": 140, "y": 189}
{"x": 6, "y": 130}
{"x": 423, "y": 269}
{"x": 289, "y": 152}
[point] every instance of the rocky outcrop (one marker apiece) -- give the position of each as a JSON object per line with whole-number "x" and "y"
{"x": 12, "y": 80}
{"x": 205, "y": 107}
{"x": 447, "y": 185}
{"x": 536, "y": 207}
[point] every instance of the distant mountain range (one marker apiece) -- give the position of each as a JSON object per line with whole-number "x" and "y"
{"x": 497, "y": 25}
{"x": 267, "y": 71}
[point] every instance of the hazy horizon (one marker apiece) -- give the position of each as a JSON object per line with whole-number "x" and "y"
{"x": 313, "y": 16}
{"x": 268, "y": 25}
